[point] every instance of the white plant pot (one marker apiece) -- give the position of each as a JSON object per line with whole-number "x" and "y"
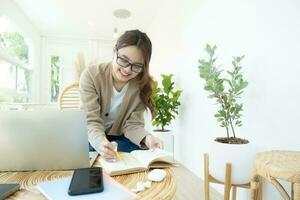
{"x": 241, "y": 157}
{"x": 167, "y": 137}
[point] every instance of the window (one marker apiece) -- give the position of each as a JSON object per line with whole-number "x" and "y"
{"x": 55, "y": 71}
{"x": 15, "y": 74}
{"x": 13, "y": 43}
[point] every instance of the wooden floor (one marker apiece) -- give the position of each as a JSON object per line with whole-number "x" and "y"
{"x": 190, "y": 187}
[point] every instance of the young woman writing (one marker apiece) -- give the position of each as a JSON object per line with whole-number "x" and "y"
{"x": 115, "y": 95}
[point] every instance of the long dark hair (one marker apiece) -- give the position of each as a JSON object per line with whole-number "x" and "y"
{"x": 141, "y": 41}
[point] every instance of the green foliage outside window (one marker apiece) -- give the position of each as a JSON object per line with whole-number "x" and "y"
{"x": 8, "y": 99}
{"x": 14, "y": 44}
{"x": 55, "y": 64}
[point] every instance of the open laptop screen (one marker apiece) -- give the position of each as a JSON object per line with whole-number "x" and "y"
{"x": 43, "y": 140}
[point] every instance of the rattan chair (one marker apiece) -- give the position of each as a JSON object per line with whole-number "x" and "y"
{"x": 70, "y": 97}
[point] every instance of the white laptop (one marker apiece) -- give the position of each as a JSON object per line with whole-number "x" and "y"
{"x": 43, "y": 140}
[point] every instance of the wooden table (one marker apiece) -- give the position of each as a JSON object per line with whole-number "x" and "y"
{"x": 179, "y": 184}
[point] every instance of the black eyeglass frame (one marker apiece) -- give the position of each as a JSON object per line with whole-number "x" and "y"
{"x": 133, "y": 67}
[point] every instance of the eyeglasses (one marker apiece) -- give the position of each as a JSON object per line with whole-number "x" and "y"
{"x": 137, "y": 68}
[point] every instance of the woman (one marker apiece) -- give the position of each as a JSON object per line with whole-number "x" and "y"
{"x": 115, "y": 95}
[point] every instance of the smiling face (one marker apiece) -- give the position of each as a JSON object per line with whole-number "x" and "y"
{"x": 126, "y": 59}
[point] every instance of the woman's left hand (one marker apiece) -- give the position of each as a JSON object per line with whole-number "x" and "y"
{"x": 153, "y": 142}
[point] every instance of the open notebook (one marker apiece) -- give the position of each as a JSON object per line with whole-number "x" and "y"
{"x": 139, "y": 160}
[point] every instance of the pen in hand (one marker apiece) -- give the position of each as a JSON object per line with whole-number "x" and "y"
{"x": 114, "y": 147}
{"x": 120, "y": 157}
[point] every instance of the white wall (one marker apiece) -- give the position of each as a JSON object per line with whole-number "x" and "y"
{"x": 10, "y": 11}
{"x": 267, "y": 33}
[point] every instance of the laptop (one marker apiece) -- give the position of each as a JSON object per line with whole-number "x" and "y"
{"x": 43, "y": 140}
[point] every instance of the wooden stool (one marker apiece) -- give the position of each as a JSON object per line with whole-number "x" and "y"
{"x": 273, "y": 165}
{"x": 227, "y": 183}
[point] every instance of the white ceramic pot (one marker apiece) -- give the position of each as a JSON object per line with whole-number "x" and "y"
{"x": 167, "y": 137}
{"x": 241, "y": 157}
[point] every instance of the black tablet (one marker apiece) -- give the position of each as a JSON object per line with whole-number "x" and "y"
{"x": 8, "y": 189}
{"x": 86, "y": 180}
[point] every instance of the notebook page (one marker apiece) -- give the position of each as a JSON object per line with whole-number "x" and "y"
{"x": 147, "y": 156}
{"x": 128, "y": 164}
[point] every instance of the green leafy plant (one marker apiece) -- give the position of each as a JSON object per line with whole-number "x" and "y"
{"x": 226, "y": 91}
{"x": 166, "y": 102}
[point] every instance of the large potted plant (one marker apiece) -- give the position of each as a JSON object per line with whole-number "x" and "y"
{"x": 226, "y": 89}
{"x": 166, "y": 104}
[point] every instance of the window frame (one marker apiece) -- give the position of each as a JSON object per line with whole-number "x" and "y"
{"x": 18, "y": 64}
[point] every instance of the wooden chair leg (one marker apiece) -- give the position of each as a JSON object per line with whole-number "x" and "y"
{"x": 260, "y": 188}
{"x": 256, "y": 187}
{"x": 296, "y": 193}
{"x": 253, "y": 187}
{"x": 280, "y": 188}
{"x": 292, "y": 190}
{"x": 206, "y": 176}
{"x": 227, "y": 184}
{"x": 233, "y": 197}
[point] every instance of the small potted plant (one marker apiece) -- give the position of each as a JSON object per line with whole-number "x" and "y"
{"x": 166, "y": 104}
{"x": 226, "y": 89}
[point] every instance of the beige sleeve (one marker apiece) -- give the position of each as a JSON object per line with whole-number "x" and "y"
{"x": 90, "y": 104}
{"x": 134, "y": 128}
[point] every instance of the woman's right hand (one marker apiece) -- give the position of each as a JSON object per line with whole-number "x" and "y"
{"x": 108, "y": 151}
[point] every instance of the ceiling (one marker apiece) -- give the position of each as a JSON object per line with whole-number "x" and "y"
{"x": 87, "y": 18}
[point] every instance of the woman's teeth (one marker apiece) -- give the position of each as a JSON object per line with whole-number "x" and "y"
{"x": 124, "y": 74}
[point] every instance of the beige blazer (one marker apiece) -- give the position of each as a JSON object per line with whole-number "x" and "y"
{"x": 95, "y": 89}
